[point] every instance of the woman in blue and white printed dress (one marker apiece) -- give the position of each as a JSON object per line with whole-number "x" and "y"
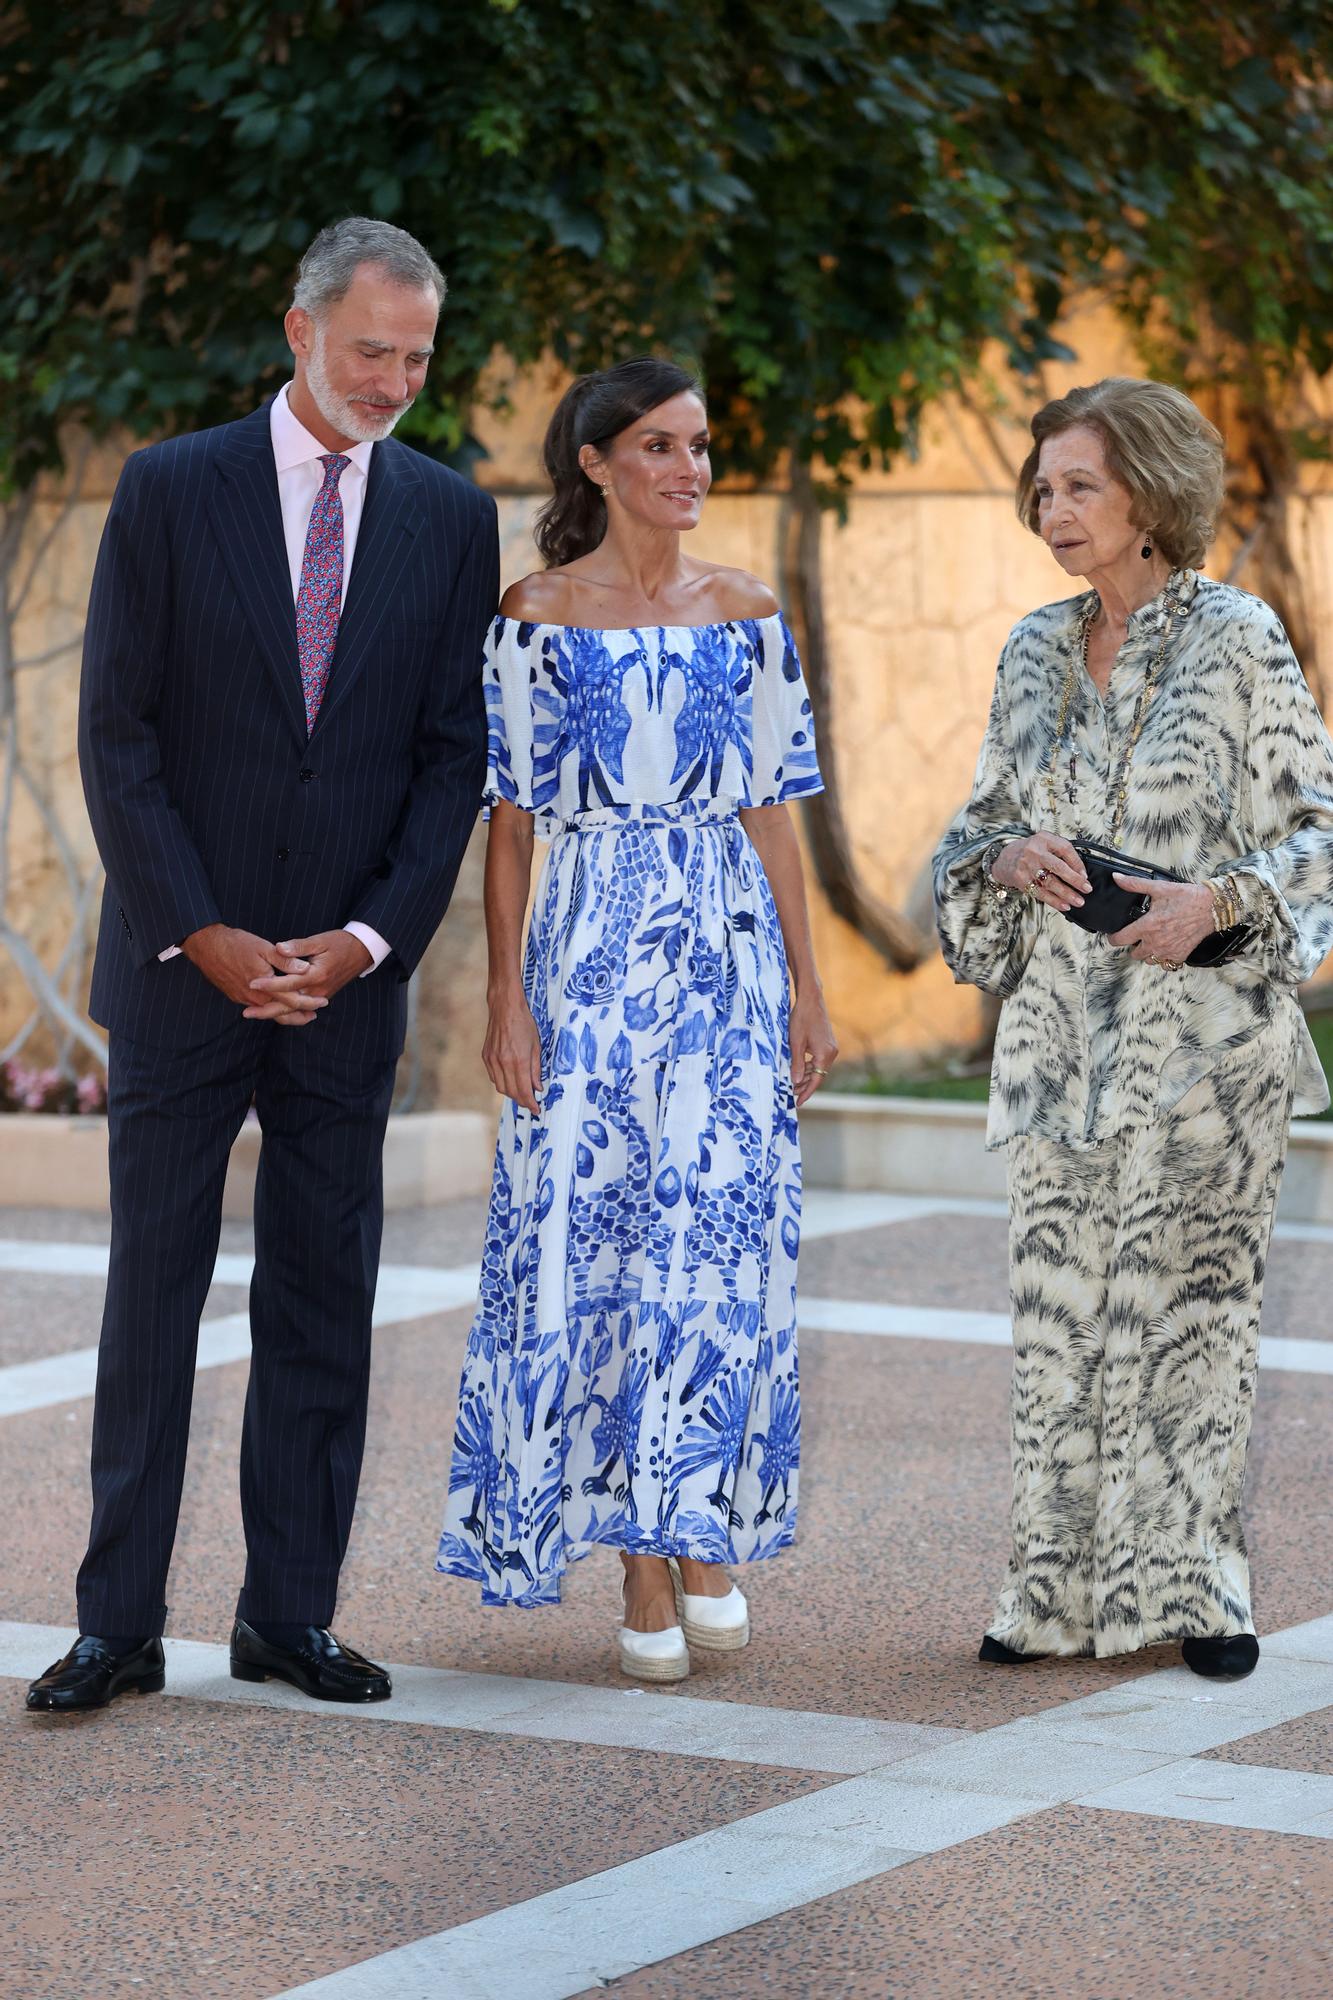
{"x": 631, "y": 1375}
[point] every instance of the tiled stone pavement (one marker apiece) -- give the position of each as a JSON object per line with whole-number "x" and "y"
{"x": 495, "y": 1840}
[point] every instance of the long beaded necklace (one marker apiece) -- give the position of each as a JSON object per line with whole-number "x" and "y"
{"x": 1118, "y": 796}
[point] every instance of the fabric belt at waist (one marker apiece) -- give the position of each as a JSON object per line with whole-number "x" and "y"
{"x": 683, "y": 813}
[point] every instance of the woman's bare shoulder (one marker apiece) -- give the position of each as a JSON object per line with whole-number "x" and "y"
{"x": 539, "y": 599}
{"x": 740, "y": 595}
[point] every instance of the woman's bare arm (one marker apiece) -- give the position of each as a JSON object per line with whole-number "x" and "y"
{"x": 813, "y": 1048}
{"x": 512, "y": 1049}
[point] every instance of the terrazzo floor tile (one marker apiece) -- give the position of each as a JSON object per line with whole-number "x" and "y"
{"x": 1298, "y": 1290}
{"x": 448, "y": 1234}
{"x": 451, "y": 1234}
{"x": 1304, "y": 1745}
{"x": 877, "y": 1610}
{"x": 250, "y": 1849}
{"x": 42, "y": 1316}
{"x": 195, "y": 1850}
{"x": 938, "y": 1260}
{"x": 56, "y": 1225}
{"x": 1099, "y": 1905}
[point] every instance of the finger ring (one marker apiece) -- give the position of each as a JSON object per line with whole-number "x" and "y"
{"x": 1040, "y": 877}
{"x": 817, "y": 1070}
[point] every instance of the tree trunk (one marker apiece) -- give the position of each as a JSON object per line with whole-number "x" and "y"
{"x": 1259, "y": 512}
{"x": 897, "y": 940}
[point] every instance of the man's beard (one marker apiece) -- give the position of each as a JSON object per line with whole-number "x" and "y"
{"x": 360, "y": 421}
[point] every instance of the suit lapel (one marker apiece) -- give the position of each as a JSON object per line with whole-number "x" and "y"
{"x": 247, "y": 516}
{"x": 385, "y": 542}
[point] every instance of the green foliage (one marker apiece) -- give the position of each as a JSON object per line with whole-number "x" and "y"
{"x": 830, "y": 205}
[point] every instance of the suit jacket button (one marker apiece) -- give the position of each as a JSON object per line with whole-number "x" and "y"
{"x": 306, "y": 775}
{"x": 282, "y": 853}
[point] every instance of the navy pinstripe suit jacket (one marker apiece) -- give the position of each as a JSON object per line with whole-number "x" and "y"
{"x": 208, "y": 800}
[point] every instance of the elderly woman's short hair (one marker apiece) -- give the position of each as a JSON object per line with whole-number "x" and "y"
{"x": 338, "y": 252}
{"x": 1158, "y": 444}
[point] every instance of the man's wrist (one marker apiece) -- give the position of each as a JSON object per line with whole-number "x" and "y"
{"x": 370, "y": 939}
{"x": 190, "y": 944}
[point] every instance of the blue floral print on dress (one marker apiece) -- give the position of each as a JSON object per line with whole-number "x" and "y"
{"x": 631, "y": 1376}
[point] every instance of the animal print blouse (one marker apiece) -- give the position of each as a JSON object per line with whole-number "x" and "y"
{"x": 1232, "y": 774}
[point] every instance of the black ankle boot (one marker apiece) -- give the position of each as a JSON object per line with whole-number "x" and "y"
{"x": 1227, "y": 1659}
{"x": 997, "y": 1654}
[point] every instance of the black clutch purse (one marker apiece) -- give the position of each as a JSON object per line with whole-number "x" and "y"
{"x": 1111, "y": 908}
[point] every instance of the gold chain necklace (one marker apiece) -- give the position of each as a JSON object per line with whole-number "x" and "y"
{"x": 1119, "y": 795}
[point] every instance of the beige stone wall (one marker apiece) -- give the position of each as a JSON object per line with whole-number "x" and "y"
{"x": 50, "y": 843}
{"x": 922, "y": 583}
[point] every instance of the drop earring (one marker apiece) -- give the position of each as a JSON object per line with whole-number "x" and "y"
{"x": 1146, "y": 550}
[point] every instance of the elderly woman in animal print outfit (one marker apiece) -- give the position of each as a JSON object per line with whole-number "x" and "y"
{"x": 1144, "y": 1102}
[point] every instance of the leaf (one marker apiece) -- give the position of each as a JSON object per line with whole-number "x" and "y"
{"x": 259, "y": 126}
{"x": 573, "y": 229}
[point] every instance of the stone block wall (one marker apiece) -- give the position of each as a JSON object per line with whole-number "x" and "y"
{"x": 922, "y": 583}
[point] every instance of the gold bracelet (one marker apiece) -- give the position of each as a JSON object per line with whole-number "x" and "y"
{"x": 1226, "y": 902}
{"x": 996, "y": 891}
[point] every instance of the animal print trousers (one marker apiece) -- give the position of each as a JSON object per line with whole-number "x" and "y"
{"x": 1136, "y": 1271}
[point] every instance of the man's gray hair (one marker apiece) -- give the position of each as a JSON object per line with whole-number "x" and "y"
{"x": 333, "y": 259}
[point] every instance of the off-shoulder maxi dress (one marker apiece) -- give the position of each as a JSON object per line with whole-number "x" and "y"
{"x": 631, "y": 1376}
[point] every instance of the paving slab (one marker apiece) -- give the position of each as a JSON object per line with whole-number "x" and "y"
{"x": 1249, "y": 1795}
{"x": 1303, "y": 1745}
{"x": 876, "y": 1611}
{"x": 1096, "y": 1904}
{"x": 196, "y": 1849}
{"x": 952, "y": 1857}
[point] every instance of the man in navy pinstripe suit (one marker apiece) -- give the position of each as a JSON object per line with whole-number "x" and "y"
{"x": 282, "y": 738}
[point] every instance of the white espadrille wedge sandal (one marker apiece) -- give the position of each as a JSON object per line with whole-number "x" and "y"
{"x": 652, "y": 1656}
{"x": 718, "y": 1624}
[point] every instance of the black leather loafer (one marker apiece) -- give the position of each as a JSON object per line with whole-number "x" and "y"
{"x": 91, "y": 1675}
{"x": 319, "y": 1666}
{"x": 1227, "y": 1659}
{"x": 996, "y": 1654}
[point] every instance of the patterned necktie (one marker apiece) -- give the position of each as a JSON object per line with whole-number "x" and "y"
{"x": 320, "y": 596}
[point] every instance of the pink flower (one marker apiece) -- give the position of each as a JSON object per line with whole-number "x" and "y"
{"x": 47, "y": 1084}
{"x": 91, "y": 1094}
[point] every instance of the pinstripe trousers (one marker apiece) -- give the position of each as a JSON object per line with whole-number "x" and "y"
{"x": 173, "y": 1114}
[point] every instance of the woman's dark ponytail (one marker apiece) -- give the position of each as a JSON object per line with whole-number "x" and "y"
{"x": 574, "y": 518}
{"x": 594, "y": 410}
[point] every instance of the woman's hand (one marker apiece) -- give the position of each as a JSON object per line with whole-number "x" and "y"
{"x": 1046, "y": 867}
{"x": 512, "y": 1051}
{"x": 813, "y": 1049}
{"x": 1181, "y": 917}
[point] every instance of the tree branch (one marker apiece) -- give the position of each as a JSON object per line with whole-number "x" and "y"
{"x": 51, "y": 654}
{"x": 17, "y": 1042}
{"x": 73, "y": 495}
{"x": 53, "y": 1006}
{"x": 48, "y": 995}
